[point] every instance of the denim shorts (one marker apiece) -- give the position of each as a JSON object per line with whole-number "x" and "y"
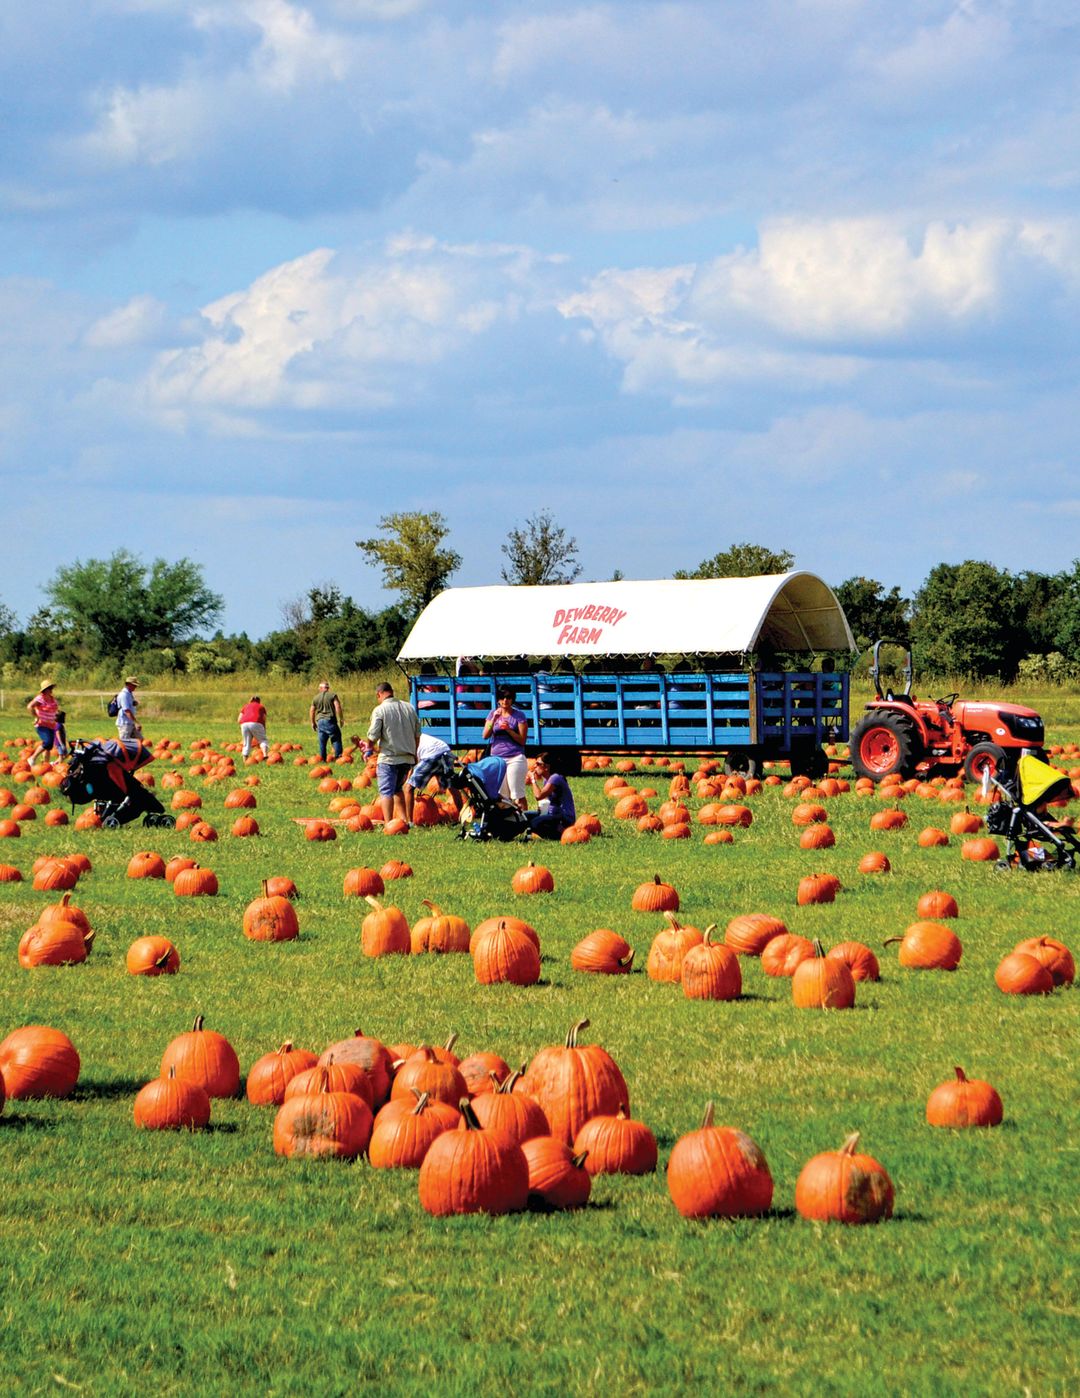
{"x": 441, "y": 766}
{"x": 391, "y": 777}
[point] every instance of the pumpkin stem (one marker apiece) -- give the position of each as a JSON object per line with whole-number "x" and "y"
{"x": 627, "y": 961}
{"x": 163, "y": 959}
{"x": 449, "y": 1045}
{"x": 819, "y": 950}
{"x": 675, "y": 923}
{"x": 266, "y": 888}
{"x": 889, "y": 941}
{"x": 578, "y": 1161}
{"x": 286, "y": 1047}
{"x": 706, "y": 936}
{"x": 172, "y": 1071}
{"x": 571, "y": 1038}
{"x": 376, "y": 905}
{"x": 707, "y": 1119}
{"x": 851, "y": 1144}
{"x": 88, "y": 938}
{"x": 422, "y": 1099}
{"x": 507, "y": 1084}
{"x": 472, "y": 1121}
{"x": 961, "y": 1076}
{"x": 197, "y": 1025}
{"x": 433, "y": 908}
{"x": 65, "y": 900}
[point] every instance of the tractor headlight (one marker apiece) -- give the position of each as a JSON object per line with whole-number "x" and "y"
{"x": 1027, "y": 728}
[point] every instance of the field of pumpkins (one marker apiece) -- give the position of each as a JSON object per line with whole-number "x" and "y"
{"x": 296, "y": 1103}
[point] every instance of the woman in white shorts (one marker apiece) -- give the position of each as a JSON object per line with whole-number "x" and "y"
{"x": 507, "y": 727}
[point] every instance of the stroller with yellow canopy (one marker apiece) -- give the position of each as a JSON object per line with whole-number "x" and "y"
{"x": 1035, "y": 842}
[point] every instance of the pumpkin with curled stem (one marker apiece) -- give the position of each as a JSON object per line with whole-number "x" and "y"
{"x": 928, "y": 946}
{"x": 439, "y": 932}
{"x": 843, "y": 1186}
{"x": 558, "y": 1177}
{"x": 384, "y": 932}
{"x": 152, "y": 956}
{"x": 718, "y": 1172}
{"x": 603, "y": 952}
{"x": 963, "y": 1102}
{"x": 616, "y": 1145}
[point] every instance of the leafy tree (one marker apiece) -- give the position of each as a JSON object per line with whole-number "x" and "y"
{"x": 7, "y": 620}
{"x": 1063, "y": 615}
{"x": 411, "y": 559}
{"x": 117, "y": 604}
{"x": 963, "y": 621}
{"x": 540, "y": 552}
{"x": 1035, "y": 601}
{"x": 872, "y": 612}
{"x": 742, "y": 561}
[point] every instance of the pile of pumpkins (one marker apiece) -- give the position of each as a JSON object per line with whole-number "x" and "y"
{"x": 483, "y": 1138}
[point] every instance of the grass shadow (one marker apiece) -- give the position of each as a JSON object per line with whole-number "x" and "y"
{"x": 104, "y": 1091}
{"x": 14, "y": 1121}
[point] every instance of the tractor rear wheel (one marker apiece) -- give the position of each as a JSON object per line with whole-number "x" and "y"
{"x": 883, "y": 743}
{"x": 982, "y": 756}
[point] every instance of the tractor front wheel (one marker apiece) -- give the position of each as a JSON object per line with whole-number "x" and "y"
{"x": 982, "y": 756}
{"x": 884, "y": 743}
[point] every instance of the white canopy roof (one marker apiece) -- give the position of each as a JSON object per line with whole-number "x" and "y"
{"x": 721, "y": 616}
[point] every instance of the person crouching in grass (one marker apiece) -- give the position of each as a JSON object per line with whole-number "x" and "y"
{"x": 555, "y": 802}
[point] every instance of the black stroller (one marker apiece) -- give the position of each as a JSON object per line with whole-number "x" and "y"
{"x": 105, "y": 774}
{"x": 1019, "y": 814}
{"x": 486, "y": 815}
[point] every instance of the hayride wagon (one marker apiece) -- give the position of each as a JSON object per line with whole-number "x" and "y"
{"x": 582, "y": 660}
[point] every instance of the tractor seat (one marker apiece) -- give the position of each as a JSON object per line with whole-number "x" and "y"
{"x": 899, "y": 698}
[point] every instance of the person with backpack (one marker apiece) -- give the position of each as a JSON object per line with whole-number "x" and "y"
{"x": 123, "y": 708}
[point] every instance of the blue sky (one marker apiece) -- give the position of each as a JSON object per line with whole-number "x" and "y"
{"x": 686, "y": 274}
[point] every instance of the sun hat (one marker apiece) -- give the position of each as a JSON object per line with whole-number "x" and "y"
{"x": 47, "y": 684}
{"x": 131, "y": 679}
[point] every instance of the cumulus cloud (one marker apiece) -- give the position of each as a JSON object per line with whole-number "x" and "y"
{"x": 340, "y": 332}
{"x": 812, "y": 300}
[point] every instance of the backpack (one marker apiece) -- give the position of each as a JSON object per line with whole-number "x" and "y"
{"x": 114, "y": 707}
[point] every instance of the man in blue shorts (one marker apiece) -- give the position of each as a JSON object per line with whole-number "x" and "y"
{"x": 395, "y": 731}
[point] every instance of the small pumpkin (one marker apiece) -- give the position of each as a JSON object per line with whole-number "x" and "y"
{"x": 655, "y": 897}
{"x": 152, "y": 956}
{"x": 558, "y": 1178}
{"x": 171, "y": 1104}
{"x": 384, "y": 932}
{"x": 823, "y": 983}
{"x": 427, "y": 1072}
{"x": 928, "y": 946}
{"x": 363, "y": 883}
{"x": 603, "y": 952}
{"x": 270, "y": 918}
{"x": 817, "y": 888}
{"x": 270, "y": 1075}
{"x": 616, "y": 1145}
{"x": 440, "y": 933}
{"x": 205, "y": 1057}
{"x": 962, "y": 1101}
{"x": 371, "y": 1054}
{"x": 669, "y": 948}
{"x": 1054, "y": 955}
{"x": 482, "y": 1070}
{"x": 38, "y": 1061}
{"x": 533, "y": 878}
{"x": 843, "y": 1186}
{"x": 1020, "y": 973}
{"x": 936, "y": 905}
{"x": 195, "y": 882}
{"x": 323, "y": 1123}
{"x": 405, "y": 1129}
{"x": 783, "y": 954}
{"x": 750, "y": 933}
{"x": 859, "y": 959}
{"x": 980, "y": 851}
{"x": 146, "y": 864}
{"x": 710, "y": 971}
{"x": 505, "y": 954}
{"x": 513, "y": 1113}
{"x": 573, "y": 1082}
{"x": 874, "y": 862}
{"x": 719, "y": 1172}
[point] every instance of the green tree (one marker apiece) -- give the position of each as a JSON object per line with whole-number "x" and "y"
{"x": 963, "y": 621}
{"x": 872, "y": 612}
{"x": 411, "y": 559}
{"x": 117, "y": 604}
{"x": 7, "y": 620}
{"x": 742, "y": 561}
{"x": 540, "y": 552}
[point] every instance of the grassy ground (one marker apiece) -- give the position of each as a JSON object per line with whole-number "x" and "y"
{"x": 204, "y": 1264}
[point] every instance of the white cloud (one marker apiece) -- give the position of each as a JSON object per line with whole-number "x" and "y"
{"x": 814, "y": 298}
{"x": 327, "y": 332}
{"x": 140, "y": 321}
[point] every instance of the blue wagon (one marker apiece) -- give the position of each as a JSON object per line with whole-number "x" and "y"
{"x": 581, "y": 659}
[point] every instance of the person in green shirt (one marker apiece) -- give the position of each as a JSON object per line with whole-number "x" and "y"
{"x": 326, "y": 719}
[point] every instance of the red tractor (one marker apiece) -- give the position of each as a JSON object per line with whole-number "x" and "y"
{"x": 900, "y": 733}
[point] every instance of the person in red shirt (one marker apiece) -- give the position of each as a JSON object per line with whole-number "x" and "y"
{"x": 252, "y": 721}
{"x": 48, "y": 723}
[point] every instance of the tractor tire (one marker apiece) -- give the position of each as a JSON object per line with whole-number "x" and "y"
{"x": 884, "y": 743}
{"x": 742, "y": 762}
{"x": 984, "y": 755}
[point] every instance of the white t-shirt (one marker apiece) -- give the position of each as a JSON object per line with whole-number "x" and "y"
{"x": 429, "y": 746}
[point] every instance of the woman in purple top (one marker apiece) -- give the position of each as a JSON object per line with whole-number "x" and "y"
{"x": 506, "y": 727}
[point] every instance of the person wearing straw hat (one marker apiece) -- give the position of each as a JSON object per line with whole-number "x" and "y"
{"x": 45, "y": 710}
{"x": 127, "y": 723}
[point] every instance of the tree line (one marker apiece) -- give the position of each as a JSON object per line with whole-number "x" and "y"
{"x": 967, "y": 619}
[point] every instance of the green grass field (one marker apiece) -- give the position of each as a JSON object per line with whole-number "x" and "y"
{"x": 154, "y": 1262}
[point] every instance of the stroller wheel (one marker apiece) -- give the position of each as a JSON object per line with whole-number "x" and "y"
{"x": 110, "y": 822}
